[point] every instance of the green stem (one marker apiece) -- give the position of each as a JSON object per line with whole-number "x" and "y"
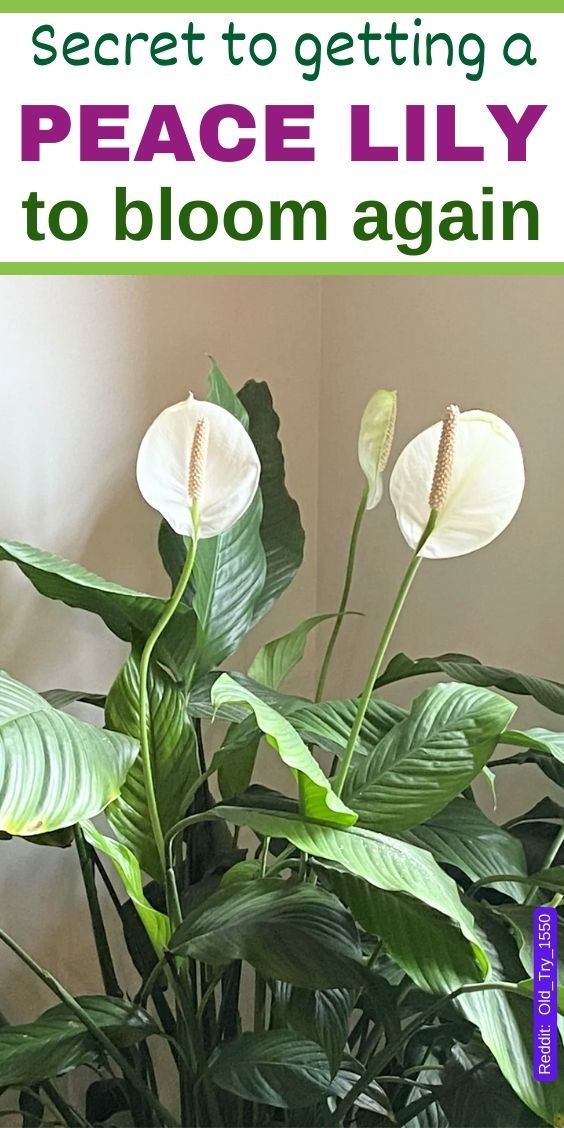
{"x": 144, "y": 718}
{"x": 71, "y": 1116}
{"x": 264, "y": 856}
{"x": 344, "y": 597}
{"x": 380, "y": 654}
{"x": 550, "y": 856}
{"x": 107, "y": 969}
{"x": 364, "y": 700}
{"x": 97, "y": 1033}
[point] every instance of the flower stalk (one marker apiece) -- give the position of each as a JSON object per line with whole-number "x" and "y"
{"x": 437, "y": 499}
{"x": 344, "y": 596}
{"x": 195, "y": 487}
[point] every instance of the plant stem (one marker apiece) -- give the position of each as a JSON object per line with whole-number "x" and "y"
{"x": 380, "y": 654}
{"x": 550, "y": 856}
{"x": 97, "y": 1033}
{"x": 344, "y": 597}
{"x": 107, "y": 968}
{"x": 144, "y": 717}
{"x": 264, "y": 856}
{"x": 71, "y": 1116}
{"x": 364, "y": 700}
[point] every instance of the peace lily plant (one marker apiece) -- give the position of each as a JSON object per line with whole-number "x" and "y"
{"x": 354, "y": 951}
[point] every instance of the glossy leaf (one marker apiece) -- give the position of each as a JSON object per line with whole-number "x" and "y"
{"x": 57, "y": 1041}
{"x": 229, "y": 569}
{"x": 373, "y": 1099}
{"x": 384, "y": 862}
{"x": 461, "y": 835}
{"x": 238, "y": 754}
{"x": 463, "y": 668}
{"x": 281, "y": 530}
{"x": 275, "y": 1068}
{"x": 320, "y": 1016}
{"x": 54, "y": 769}
{"x": 428, "y": 758}
{"x": 504, "y": 1022}
{"x": 328, "y": 723}
{"x": 157, "y": 925}
{"x": 422, "y": 941}
{"x": 279, "y": 657}
{"x": 173, "y": 753}
{"x": 296, "y": 933}
{"x": 127, "y": 613}
{"x": 320, "y": 801}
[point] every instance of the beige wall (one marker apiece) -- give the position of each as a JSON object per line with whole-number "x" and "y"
{"x": 88, "y": 362}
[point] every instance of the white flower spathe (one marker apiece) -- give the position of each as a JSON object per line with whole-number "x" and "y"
{"x": 484, "y": 492}
{"x": 375, "y": 440}
{"x": 231, "y": 472}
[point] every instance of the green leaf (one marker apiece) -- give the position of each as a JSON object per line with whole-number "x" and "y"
{"x": 57, "y": 1041}
{"x": 281, "y": 530}
{"x": 296, "y": 933}
{"x": 384, "y": 862}
{"x": 504, "y": 1022}
{"x": 229, "y": 570}
{"x": 54, "y": 769}
{"x": 320, "y": 1016}
{"x": 428, "y": 758}
{"x": 463, "y": 668}
{"x": 238, "y": 758}
{"x": 422, "y": 941}
{"x": 173, "y": 754}
{"x": 462, "y": 836}
{"x": 520, "y": 921}
{"x": 328, "y": 723}
{"x": 274, "y": 1068}
{"x": 478, "y": 1096}
{"x": 157, "y": 925}
{"x": 320, "y": 801}
{"x": 545, "y": 748}
{"x": 374, "y": 1098}
{"x": 127, "y": 613}
{"x": 278, "y": 658}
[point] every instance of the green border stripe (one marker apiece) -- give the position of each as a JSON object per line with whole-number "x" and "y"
{"x": 327, "y": 7}
{"x": 294, "y": 268}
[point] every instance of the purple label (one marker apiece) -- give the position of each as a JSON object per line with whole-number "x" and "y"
{"x": 545, "y": 986}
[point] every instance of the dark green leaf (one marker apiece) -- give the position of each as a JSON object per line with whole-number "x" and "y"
{"x": 423, "y": 942}
{"x": 504, "y": 1022}
{"x": 275, "y": 1068}
{"x": 58, "y": 1042}
{"x": 229, "y": 570}
{"x": 173, "y": 754}
{"x": 54, "y": 769}
{"x": 463, "y": 668}
{"x": 127, "y": 613}
{"x": 281, "y": 531}
{"x": 462, "y": 836}
{"x": 472, "y": 1098}
{"x": 373, "y": 1099}
{"x": 238, "y": 755}
{"x": 296, "y": 933}
{"x": 322, "y": 1017}
{"x": 384, "y": 862}
{"x": 428, "y": 758}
